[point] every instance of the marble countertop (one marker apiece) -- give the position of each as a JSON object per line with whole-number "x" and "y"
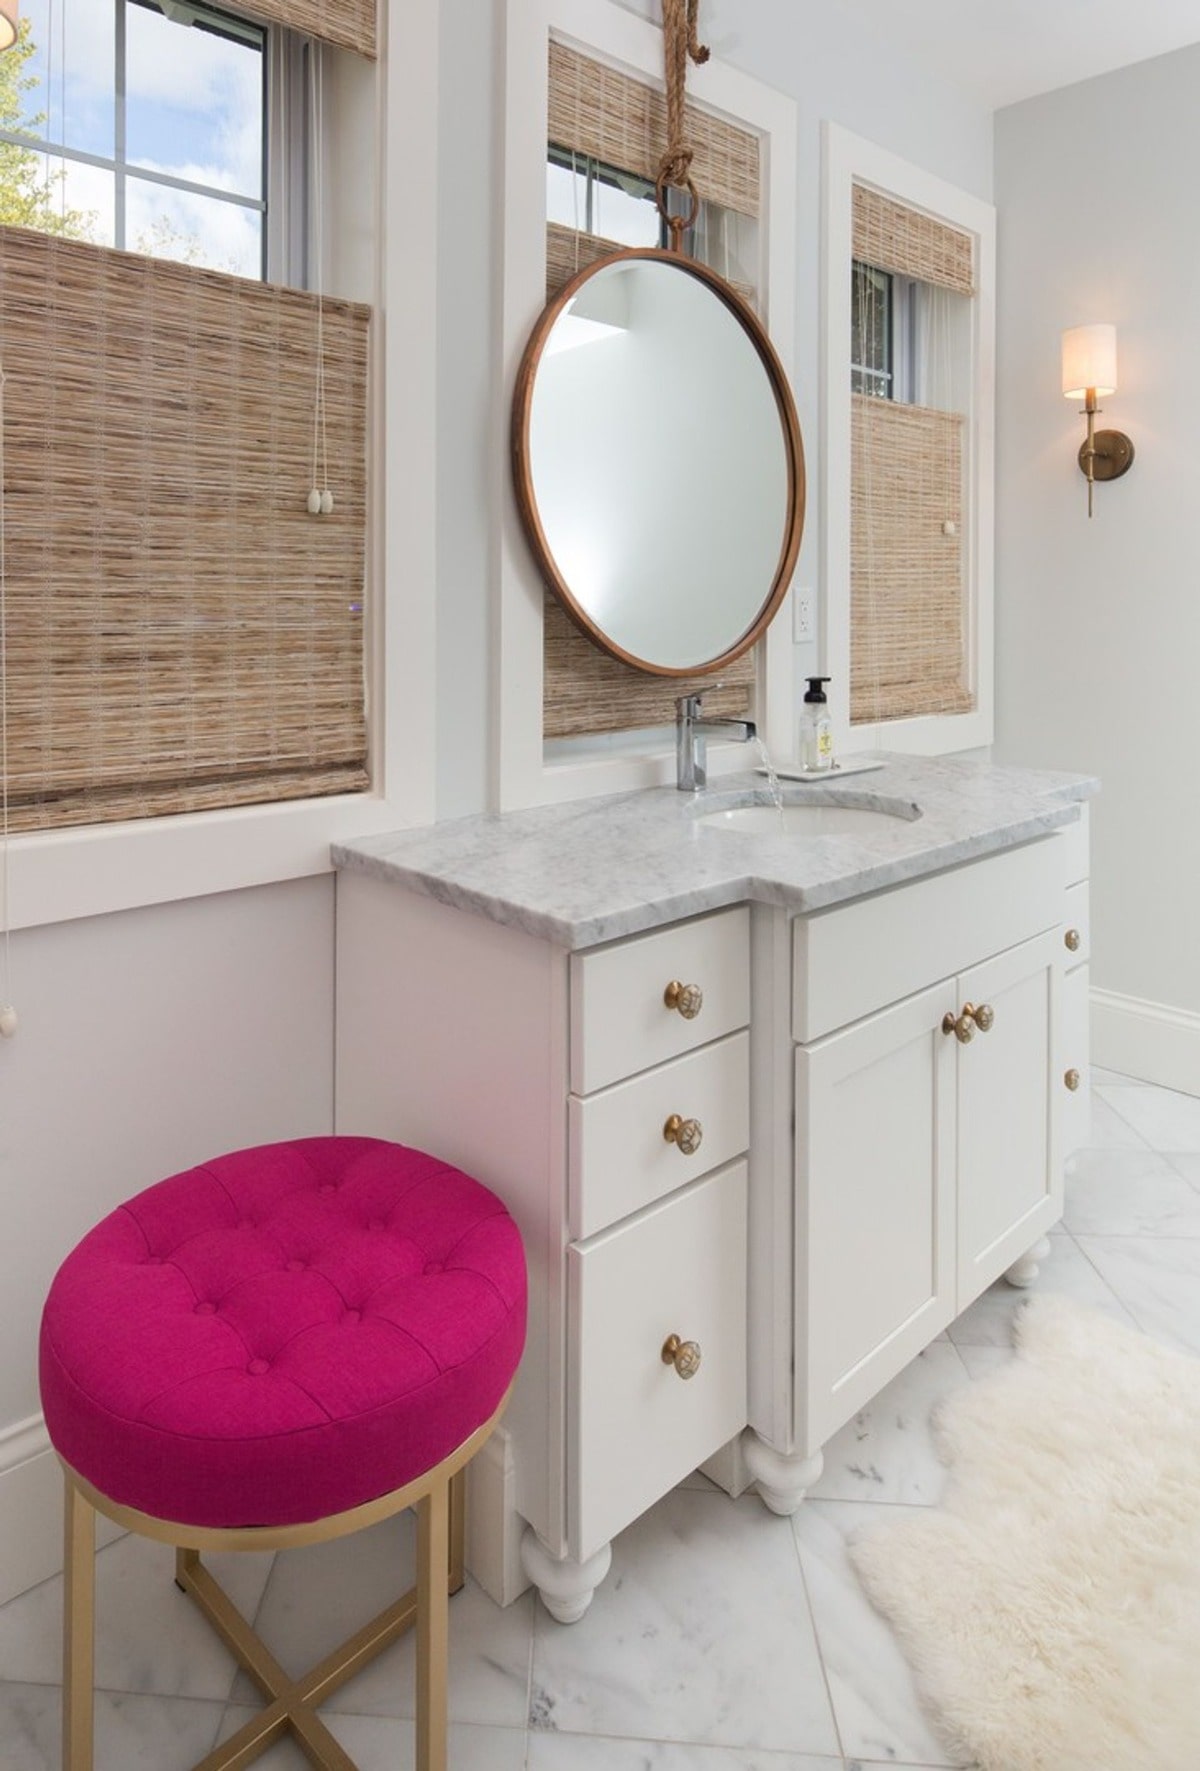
{"x": 595, "y": 870}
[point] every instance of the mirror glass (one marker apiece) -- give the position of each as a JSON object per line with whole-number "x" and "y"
{"x": 658, "y": 462}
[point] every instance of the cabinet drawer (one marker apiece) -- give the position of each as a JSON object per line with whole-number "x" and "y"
{"x": 635, "y": 1427}
{"x": 857, "y": 958}
{"x": 1077, "y": 927}
{"x": 620, "y": 1158}
{"x": 620, "y": 1022}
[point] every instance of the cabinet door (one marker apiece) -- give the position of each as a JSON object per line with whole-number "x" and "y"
{"x": 1009, "y": 1114}
{"x": 635, "y": 1428}
{"x": 875, "y": 1205}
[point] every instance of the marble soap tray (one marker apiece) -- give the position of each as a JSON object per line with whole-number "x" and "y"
{"x": 853, "y": 765}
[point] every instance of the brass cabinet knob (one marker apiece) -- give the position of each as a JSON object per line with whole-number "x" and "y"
{"x": 1073, "y": 940}
{"x": 686, "y": 1134}
{"x": 963, "y": 1026}
{"x": 688, "y": 999}
{"x": 1072, "y": 1080}
{"x": 683, "y": 1355}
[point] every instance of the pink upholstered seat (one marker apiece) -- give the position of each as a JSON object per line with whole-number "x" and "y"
{"x": 283, "y": 1333}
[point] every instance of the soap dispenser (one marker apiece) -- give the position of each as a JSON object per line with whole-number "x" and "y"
{"x": 815, "y": 731}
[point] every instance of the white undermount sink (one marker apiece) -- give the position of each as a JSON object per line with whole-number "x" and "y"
{"x": 807, "y": 818}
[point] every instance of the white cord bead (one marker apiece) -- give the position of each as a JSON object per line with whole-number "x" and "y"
{"x": 326, "y": 502}
{"x": 8, "y": 1021}
{"x": 314, "y": 503}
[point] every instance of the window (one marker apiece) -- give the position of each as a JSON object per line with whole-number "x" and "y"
{"x": 907, "y": 597}
{"x": 143, "y": 124}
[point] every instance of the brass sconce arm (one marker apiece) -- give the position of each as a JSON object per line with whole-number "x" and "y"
{"x": 1104, "y": 454}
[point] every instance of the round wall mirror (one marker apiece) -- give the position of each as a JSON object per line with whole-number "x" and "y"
{"x": 658, "y": 463}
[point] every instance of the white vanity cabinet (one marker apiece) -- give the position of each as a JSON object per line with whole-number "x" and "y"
{"x": 759, "y": 1158}
{"x": 927, "y": 1141}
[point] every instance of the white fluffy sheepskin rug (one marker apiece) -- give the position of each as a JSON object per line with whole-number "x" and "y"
{"x": 1050, "y": 1606}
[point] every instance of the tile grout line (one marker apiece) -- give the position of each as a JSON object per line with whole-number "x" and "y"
{"x": 812, "y": 1619}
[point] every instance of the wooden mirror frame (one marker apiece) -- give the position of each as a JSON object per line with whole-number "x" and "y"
{"x": 793, "y": 445}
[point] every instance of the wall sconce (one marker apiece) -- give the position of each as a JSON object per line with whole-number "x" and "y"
{"x": 9, "y": 20}
{"x": 1089, "y": 369}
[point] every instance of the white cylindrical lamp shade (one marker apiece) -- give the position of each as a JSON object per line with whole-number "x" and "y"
{"x": 9, "y": 17}
{"x": 1089, "y": 360}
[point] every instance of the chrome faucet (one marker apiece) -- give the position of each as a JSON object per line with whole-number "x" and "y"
{"x": 691, "y": 751}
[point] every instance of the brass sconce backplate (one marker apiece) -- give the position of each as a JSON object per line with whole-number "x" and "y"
{"x": 1113, "y": 455}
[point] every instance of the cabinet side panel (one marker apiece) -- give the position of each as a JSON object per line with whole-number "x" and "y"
{"x": 451, "y": 1035}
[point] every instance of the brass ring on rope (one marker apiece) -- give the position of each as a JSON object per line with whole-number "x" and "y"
{"x": 677, "y": 223}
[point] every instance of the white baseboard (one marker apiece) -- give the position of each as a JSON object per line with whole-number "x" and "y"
{"x": 31, "y": 1509}
{"x": 1147, "y": 1040}
{"x": 494, "y": 1527}
{"x": 31, "y": 1515}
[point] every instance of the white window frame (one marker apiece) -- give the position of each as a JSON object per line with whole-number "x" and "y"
{"x": 521, "y": 773}
{"x": 847, "y": 160}
{"x": 59, "y": 875}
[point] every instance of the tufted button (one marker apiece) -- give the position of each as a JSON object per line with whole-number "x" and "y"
{"x": 377, "y": 1224}
{"x": 352, "y": 1316}
{"x": 154, "y": 1260}
{"x": 206, "y": 1309}
{"x": 297, "y": 1266}
{"x": 326, "y": 1188}
{"x": 434, "y": 1267}
{"x": 245, "y": 1223}
{"x": 256, "y": 1367}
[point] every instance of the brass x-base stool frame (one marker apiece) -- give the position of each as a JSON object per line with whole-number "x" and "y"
{"x": 439, "y": 1499}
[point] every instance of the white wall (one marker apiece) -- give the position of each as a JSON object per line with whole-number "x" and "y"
{"x": 809, "y": 51}
{"x": 1098, "y": 623}
{"x": 148, "y": 1040}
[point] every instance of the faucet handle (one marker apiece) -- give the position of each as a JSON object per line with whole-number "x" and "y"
{"x": 687, "y": 707}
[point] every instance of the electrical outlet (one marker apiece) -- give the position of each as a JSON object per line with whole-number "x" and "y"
{"x": 803, "y": 617}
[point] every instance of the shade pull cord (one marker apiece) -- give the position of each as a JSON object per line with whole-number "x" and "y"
{"x": 8, "y": 1014}
{"x": 681, "y": 43}
{"x": 320, "y": 499}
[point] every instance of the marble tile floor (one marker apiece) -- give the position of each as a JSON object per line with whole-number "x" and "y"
{"x": 725, "y": 1639}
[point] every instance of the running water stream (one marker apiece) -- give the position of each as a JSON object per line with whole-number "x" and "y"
{"x": 772, "y": 778}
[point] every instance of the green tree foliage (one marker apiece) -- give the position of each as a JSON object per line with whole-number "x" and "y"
{"x": 30, "y": 192}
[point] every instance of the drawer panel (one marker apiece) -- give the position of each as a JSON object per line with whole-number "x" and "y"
{"x": 635, "y": 1427}
{"x": 1073, "y": 845}
{"x": 857, "y": 958}
{"x": 1077, "y": 927}
{"x": 620, "y": 1023}
{"x": 620, "y": 1158}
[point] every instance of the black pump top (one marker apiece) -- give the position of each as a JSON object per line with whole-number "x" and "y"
{"x": 815, "y": 691}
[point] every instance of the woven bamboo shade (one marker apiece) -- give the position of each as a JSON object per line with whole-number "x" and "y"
{"x": 181, "y": 633}
{"x": 908, "y": 642}
{"x": 612, "y": 117}
{"x": 351, "y": 24}
{"x": 623, "y": 122}
{"x": 587, "y": 691}
{"x": 893, "y": 237}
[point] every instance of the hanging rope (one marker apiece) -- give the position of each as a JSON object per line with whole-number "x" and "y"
{"x": 680, "y": 41}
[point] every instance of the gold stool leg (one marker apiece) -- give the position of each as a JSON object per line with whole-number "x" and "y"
{"x": 79, "y": 1631}
{"x": 433, "y": 1549}
{"x": 458, "y": 1532}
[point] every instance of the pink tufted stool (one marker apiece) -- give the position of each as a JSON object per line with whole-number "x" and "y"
{"x": 277, "y": 1348}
